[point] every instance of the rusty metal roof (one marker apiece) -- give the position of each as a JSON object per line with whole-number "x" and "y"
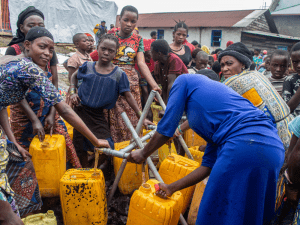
{"x": 192, "y": 19}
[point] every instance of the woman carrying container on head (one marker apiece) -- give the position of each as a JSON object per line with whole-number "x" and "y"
{"x": 17, "y": 75}
{"x": 243, "y": 156}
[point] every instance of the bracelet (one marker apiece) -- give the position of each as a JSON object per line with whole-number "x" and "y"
{"x": 72, "y": 85}
{"x": 179, "y": 129}
{"x": 140, "y": 113}
{"x": 72, "y": 91}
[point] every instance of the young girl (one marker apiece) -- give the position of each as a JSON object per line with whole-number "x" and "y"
{"x": 102, "y": 83}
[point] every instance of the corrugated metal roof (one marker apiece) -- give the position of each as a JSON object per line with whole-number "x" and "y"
{"x": 272, "y": 35}
{"x": 193, "y": 19}
{"x": 294, "y": 10}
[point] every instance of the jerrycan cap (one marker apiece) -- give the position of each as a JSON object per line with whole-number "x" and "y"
{"x": 50, "y": 213}
{"x": 45, "y": 144}
{"x": 170, "y": 157}
{"x": 146, "y": 188}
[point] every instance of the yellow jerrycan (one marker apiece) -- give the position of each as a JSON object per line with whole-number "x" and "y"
{"x": 146, "y": 208}
{"x": 69, "y": 128}
{"x": 83, "y": 197}
{"x": 175, "y": 167}
{"x": 49, "y": 160}
{"x": 41, "y": 219}
{"x": 198, "y": 193}
{"x": 197, "y": 155}
{"x": 131, "y": 178}
{"x": 155, "y": 111}
{"x": 193, "y": 139}
{"x": 8, "y": 111}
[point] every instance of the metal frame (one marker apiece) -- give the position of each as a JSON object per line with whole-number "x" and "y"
{"x": 124, "y": 153}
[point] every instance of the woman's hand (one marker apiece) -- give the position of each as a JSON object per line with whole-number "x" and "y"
{"x": 102, "y": 144}
{"x": 74, "y": 99}
{"x": 164, "y": 191}
{"x": 50, "y": 122}
{"x": 177, "y": 133}
{"x": 7, "y": 215}
{"x": 146, "y": 123}
{"x": 23, "y": 152}
{"x": 157, "y": 88}
{"x": 38, "y": 129}
{"x": 136, "y": 157}
{"x": 292, "y": 195}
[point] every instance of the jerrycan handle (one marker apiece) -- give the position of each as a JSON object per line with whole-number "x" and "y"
{"x": 77, "y": 175}
{"x": 180, "y": 162}
{"x": 45, "y": 144}
{"x": 34, "y": 218}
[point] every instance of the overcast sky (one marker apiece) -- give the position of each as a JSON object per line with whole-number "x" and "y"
{"x": 152, "y": 6}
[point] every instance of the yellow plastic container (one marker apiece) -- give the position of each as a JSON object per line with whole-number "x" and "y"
{"x": 69, "y": 128}
{"x": 175, "y": 167}
{"x": 164, "y": 151}
{"x": 197, "y": 155}
{"x": 41, "y": 219}
{"x": 8, "y": 111}
{"x": 155, "y": 111}
{"x": 49, "y": 160}
{"x": 132, "y": 176}
{"x": 198, "y": 193}
{"x": 147, "y": 208}
{"x": 83, "y": 197}
{"x": 193, "y": 139}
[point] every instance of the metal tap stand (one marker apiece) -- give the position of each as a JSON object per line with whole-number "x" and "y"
{"x": 124, "y": 153}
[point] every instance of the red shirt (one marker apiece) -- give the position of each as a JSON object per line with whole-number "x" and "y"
{"x": 192, "y": 47}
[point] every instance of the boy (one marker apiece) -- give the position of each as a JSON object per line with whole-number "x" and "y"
{"x": 82, "y": 45}
{"x": 257, "y": 57}
{"x": 168, "y": 67}
{"x": 153, "y": 35}
{"x": 279, "y": 61}
{"x": 201, "y": 62}
{"x": 210, "y": 61}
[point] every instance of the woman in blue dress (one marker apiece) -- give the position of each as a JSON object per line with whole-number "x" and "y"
{"x": 243, "y": 156}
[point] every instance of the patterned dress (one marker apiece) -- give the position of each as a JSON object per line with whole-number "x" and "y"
{"x": 125, "y": 59}
{"x": 290, "y": 87}
{"x": 258, "y": 90}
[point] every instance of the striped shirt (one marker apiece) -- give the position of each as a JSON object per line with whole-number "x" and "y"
{"x": 278, "y": 84}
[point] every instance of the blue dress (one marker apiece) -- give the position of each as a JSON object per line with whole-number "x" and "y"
{"x": 243, "y": 150}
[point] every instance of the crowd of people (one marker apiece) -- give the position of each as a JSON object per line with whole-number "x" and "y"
{"x": 243, "y": 103}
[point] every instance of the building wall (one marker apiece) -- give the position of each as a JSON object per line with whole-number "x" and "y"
{"x": 202, "y": 35}
{"x": 288, "y": 25}
{"x": 228, "y": 34}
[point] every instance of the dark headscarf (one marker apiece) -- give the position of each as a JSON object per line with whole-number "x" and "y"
{"x": 29, "y": 11}
{"x": 37, "y": 32}
{"x": 209, "y": 73}
{"x": 239, "y": 51}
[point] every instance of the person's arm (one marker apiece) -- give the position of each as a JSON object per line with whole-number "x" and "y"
{"x": 74, "y": 98}
{"x": 71, "y": 71}
{"x": 8, "y": 216}
{"x": 183, "y": 127}
{"x": 6, "y": 127}
{"x": 72, "y": 118}
{"x": 287, "y": 90}
{"x": 36, "y": 123}
{"x": 145, "y": 72}
{"x": 171, "y": 79}
{"x": 54, "y": 76}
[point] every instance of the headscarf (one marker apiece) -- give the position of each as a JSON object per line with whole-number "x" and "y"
{"x": 29, "y": 11}
{"x": 229, "y": 43}
{"x": 205, "y": 49}
{"x": 239, "y": 51}
{"x": 37, "y": 32}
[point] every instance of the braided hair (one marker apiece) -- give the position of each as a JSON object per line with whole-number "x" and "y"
{"x": 180, "y": 24}
{"x": 109, "y": 37}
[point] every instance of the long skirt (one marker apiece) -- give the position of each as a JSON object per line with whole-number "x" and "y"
{"x": 118, "y": 128}
{"x": 22, "y": 126}
{"x": 242, "y": 185}
{"x": 23, "y": 181}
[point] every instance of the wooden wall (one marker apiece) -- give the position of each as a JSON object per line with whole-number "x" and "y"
{"x": 260, "y": 24}
{"x": 4, "y": 20}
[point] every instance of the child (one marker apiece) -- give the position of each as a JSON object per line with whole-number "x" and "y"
{"x": 257, "y": 57}
{"x": 201, "y": 62}
{"x": 82, "y": 44}
{"x": 168, "y": 68}
{"x": 194, "y": 54}
{"x": 265, "y": 67}
{"x": 210, "y": 62}
{"x": 91, "y": 44}
{"x": 292, "y": 82}
{"x": 102, "y": 83}
{"x": 279, "y": 61}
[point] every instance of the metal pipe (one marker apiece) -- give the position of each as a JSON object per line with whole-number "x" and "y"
{"x": 111, "y": 152}
{"x": 180, "y": 138}
{"x": 116, "y": 181}
{"x": 149, "y": 161}
{"x": 133, "y": 144}
{"x": 145, "y": 111}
